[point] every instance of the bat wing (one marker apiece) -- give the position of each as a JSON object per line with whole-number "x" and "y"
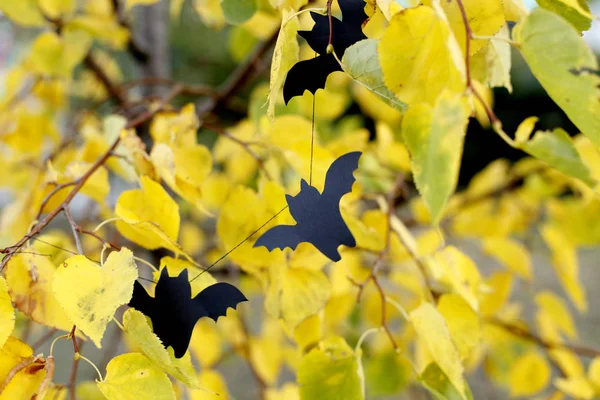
{"x": 280, "y": 237}
{"x": 141, "y": 300}
{"x": 340, "y": 178}
{"x": 214, "y": 301}
{"x": 309, "y": 75}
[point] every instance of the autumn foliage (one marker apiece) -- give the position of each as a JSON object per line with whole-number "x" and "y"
{"x": 404, "y": 310}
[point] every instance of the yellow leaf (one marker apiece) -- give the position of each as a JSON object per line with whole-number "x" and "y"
{"x": 432, "y": 329}
{"x": 104, "y": 29}
{"x": 462, "y": 321}
{"x": 266, "y": 355}
{"x": 149, "y": 216}
{"x": 434, "y": 136}
{"x": 554, "y": 307}
{"x": 566, "y": 266}
{"x": 594, "y": 372}
{"x": 184, "y": 169}
{"x": 576, "y": 387}
{"x": 29, "y": 279}
{"x": 56, "y": 55}
{"x": 460, "y": 272}
{"x": 515, "y": 10}
{"x": 31, "y": 132}
{"x": 426, "y": 61}
{"x": 23, "y": 12}
{"x": 285, "y": 55}
{"x": 136, "y": 325}
{"x": 25, "y": 384}
{"x": 373, "y": 106}
{"x": 485, "y": 19}
{"x": 132, "y": 376}
{"x": 499, "y": 289}
{"x": 90, "y": 294}
{"x": 210, "y": 12}
{"x": 491, "y": 65}
{"x": 295, "y": 294}
{"x": 391, "y": 151}
{"x": 525, "y": 129}
{"x": 176, "y": 129}
{"x": 214, "y": 386}
{"x": 7, "y": 313}
{"x": 567, "y": 361}
{"x": 57, "y": 8}
{"x": 529, "y": 375}
{"x": 512, "y": 254}
{"x": 289, "y": 391}
{"x": 206, "y": 343}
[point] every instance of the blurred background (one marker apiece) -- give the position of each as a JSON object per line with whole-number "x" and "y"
{"x": 195, "y": 53}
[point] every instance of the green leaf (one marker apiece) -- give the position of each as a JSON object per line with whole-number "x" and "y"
{"x": 434, "y": 136}
{"x": 387, "y": 373}
{"x": 557, "y": 149}
{"x": 556, "y": 54}
{"x": 434, "y": 380}
{"x": 330, "y": 372}
{"x": 577, "y": 12}
{"x": 238, "y": 11}
{"x": 361, "y": 62}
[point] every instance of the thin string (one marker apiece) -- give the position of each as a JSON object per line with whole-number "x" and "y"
{"x": 240, "y": 243}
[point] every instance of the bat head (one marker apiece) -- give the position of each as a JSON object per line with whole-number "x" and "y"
{"x": 166, "y": 285}
{"x": 304, "y": 203}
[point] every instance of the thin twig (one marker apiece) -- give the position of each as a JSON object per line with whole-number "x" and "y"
{"x": 527, "y": 335}
{"x": 74, "y": 228}
{"x": 51, "y": 194}
{"x": 83, "y": 179}
{"x": 49, "y": 367}
{"x": 113, "y": 90}
{"x": 245, "y": 145}
{"x": 44, "y": 338}
{"x": 391, "y": 198}
{"x": 72, "y": 385}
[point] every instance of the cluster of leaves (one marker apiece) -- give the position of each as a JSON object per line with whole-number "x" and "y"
{"x": 402, "y": 308}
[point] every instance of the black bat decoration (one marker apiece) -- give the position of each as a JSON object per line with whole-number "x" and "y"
{"x": 311, "y": 74}
{"x": 318, "y": 217}
{"x": 173, "y": 311}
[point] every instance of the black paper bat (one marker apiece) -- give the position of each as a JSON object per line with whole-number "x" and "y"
{"x": 311, "y": 74}
{"x": 173, "y": 311}
{"x": 318, "y": 217}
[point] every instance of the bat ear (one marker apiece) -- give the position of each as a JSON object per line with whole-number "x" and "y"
{"x": 303, "y": 185}
{"x": 164, "y": 274}
{"x": 183, "y": 274}
{"x": 289, "y": 199}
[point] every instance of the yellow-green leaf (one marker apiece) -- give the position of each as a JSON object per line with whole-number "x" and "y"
{"x": 555, "y": 52}
{"x": 462, "y": 321}
{"x": 57, "y": 8}
{"x": 56, "y": 55}
{"x": 361, "y": 62}
{"x": 132, "y": 376}
{"x": 420, "y": 57}
{"x": 438, "y": 384}
{"x": 529, "y": 374}
{"x": 285, "y": 55}
{"x": 330, "y": 372}
{"x": 238, "y": 11}
{"x": 557, "y": 149}
{"x": 433, "y": 331}
{"x": 90, "y": 294}
{"x": 136, "y": 325}
{"x": 7, "y": 313}
{"x": 23, "y": 12}
{"x": 434, "y": 137}
{"x": 557, "y": 312}
{"x": 577, "y": 12}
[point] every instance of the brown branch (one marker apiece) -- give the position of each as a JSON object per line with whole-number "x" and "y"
{"x": 83, "y": 179}
{"x": 527, "y": 335}
{"x": 49, "y": 367}
{"x": 192, "y": 90}
{"x": 72, "y": 385}
{"x": 16, "y": 369}
{"x": 49, "y": 196}
{"x": 113, "y": 90}
{"x": 469, "y": 36}
{"x": 245, "y": 145}
{"x": 391, "y": 200}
